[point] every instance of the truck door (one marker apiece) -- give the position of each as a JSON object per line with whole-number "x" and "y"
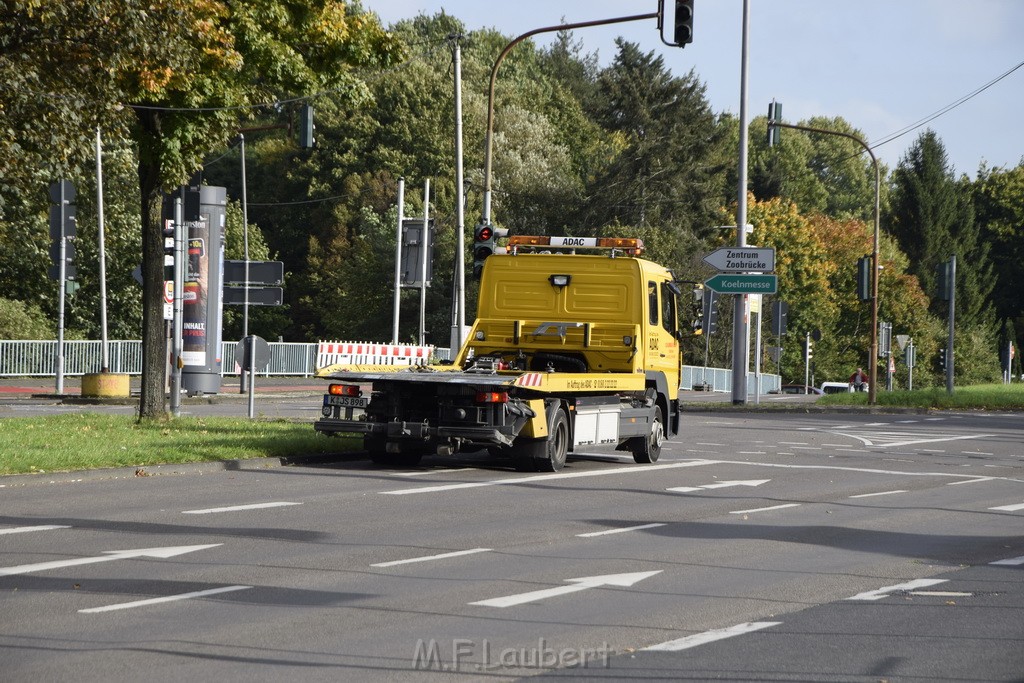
{"x": 662, "y": 341}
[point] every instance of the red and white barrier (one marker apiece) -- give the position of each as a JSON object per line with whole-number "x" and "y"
{"x": 368, "y": 353}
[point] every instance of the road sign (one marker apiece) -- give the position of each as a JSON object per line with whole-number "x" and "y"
{"x": 260, "y": 272}
{"x": 260, "y": 353}
{"x": 743, "y": 283}
{"x": 742, "y": 259}
{"x": 258, "y": 296}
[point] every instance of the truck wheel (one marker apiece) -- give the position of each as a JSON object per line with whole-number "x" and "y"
{"x": 556, "y": 446}
{"x": 646, "y": 449}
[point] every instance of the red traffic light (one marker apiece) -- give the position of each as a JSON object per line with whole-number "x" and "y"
{"x": 484, "y": 233}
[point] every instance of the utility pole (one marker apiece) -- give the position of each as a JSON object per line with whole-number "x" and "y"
{"x": 740, "y": 322}
{"x": 460, "y": 213}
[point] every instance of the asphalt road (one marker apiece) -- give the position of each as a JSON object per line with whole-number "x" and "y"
{"x": 762, "y": 546}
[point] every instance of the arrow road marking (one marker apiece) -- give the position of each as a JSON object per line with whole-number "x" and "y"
{"x": 108, "y": 556}
{"x": 166, "y": 598}
{"x": 580, "y": 584}
{"x": 710, "y": 636}
{"x": 1009, "y": 508}
{"x": 719, "y": 485}
{"x": 908, "y": 586}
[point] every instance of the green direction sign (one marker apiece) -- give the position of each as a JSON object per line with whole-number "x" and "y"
{"x": 743, "y": 283}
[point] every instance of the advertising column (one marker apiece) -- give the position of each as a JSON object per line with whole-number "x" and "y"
{"x": 205, "y": 216}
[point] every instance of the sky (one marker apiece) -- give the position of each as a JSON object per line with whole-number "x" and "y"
{"x": 883, "y": 65}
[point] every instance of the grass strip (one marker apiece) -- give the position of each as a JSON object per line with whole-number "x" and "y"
{"x": 93, "y": 440}
{"x": 977, "y": 397}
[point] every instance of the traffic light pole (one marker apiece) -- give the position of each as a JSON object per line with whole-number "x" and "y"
{"x": 873, "y": 359}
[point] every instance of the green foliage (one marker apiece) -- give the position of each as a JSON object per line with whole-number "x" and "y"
{"x": 999, "y": 212}
{"x": 19, "y": 320}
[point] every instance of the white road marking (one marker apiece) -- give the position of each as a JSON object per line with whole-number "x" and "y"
{"x": 908, "y": 586}
{"x": 792, "y": 443}
{"x": 428, "y": 558}
{"x": 547, "y": 477}
{"x": 26, "y": 529}
{"x": 710, "y": 636}
{"x": 876, "y": 424}
{"x": 1009, "y": 508}
{"x": 880, "y": 493}
{"x": 862, "y": 470}
{"x": 580, "y": 584}
{"x": 607, "y": 532}
{"x": 970, "y": 481}
{"x": 941, "y": 594}
{"x": 1010, "y": 562}
{"x": 168, "y": 598}
{"x": 236, "y": 508}
{"x": 107, "y": 556}
{"x": 773, "y": 507}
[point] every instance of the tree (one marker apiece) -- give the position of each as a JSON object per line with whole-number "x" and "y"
{"x": 999, "y": 212}
{"x": 827, "y": 174}
{"x": 668, "y": 166}
{"x": 932, "y": 220}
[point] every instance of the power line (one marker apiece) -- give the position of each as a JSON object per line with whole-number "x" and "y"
{"x": 949, "y": 107}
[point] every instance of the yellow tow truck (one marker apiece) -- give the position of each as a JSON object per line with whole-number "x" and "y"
{"x": 568, "y": 350}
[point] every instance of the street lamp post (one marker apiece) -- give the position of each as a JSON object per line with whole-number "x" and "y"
{"x": 876, "y": 265}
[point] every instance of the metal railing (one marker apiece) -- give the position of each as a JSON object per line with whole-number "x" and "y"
{"x": 36, "y": 358}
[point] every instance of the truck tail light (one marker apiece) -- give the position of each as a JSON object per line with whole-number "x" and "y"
{"x": 492, "y": 397}
{"x": 344, "y": 390}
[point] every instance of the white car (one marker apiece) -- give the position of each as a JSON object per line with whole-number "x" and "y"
{"x": 839, "y": 387}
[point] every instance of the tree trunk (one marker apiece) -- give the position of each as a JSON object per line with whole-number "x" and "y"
{"x": 153, "y": 399}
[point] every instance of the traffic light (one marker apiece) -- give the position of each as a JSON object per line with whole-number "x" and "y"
{"x": 864, "y": 278}
{"x": 808, "y": 349}
{"x": 698, "y": 309}
{"x": 485, "y": 243}
{"x": 306, "y": 140}
{"x": 710, "y": 310}
{"x": 683, "y": 33}
{"x": 944, "y": 275}
{"x": 774, "y": 115}
{"x": 942, "y": 359}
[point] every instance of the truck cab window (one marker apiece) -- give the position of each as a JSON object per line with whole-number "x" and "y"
{"x": 668, "y": 307}
{"x": 652, "y": 301}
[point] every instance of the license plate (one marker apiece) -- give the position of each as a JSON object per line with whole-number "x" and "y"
{"x": 346, "y": 401}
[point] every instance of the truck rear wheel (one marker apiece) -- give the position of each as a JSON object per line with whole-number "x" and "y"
{"x": 555, "y": 448}
{"x": 647, "y": 449}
